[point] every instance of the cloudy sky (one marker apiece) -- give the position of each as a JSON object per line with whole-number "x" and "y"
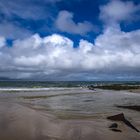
{"x": 70, "y": 39}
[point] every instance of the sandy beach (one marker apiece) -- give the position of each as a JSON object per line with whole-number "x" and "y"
{"x": 25, "y": 118}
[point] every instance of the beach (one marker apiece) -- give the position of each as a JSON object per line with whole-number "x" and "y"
{"x": 66, "y": 114}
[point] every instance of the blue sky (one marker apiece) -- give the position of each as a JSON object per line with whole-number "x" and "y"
{"x": 70, "y": 39}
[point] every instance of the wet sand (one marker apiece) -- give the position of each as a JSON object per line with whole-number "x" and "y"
{"x": 24, "y": 120}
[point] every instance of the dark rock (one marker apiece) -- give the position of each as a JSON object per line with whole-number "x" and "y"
{"x": 116, "y": 130}
{"x": 91, "y": 87}
{"x": 130, "y": 125}
{"x": 113, "y": 125}
{"x": 135, "y": 107}
{"x": 120, "y": 117}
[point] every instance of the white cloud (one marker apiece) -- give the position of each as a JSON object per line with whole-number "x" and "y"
{"x": 2, "y": 42}
{"x": 117, "y": 11}
{"x": 65, "y": 23}
{"x": 53, "y": 56}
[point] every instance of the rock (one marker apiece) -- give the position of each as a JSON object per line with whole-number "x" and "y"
{"x": 116, "y": 130}
{"x": 91, "y": 87}
{"x": 130, "y": 125}
{"x": 120, "y": 117}
{"x": 134, "y": 107}
{"x": 113, "y": 125}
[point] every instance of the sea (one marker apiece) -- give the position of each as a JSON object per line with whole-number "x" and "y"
{"x": 59, "y": 84}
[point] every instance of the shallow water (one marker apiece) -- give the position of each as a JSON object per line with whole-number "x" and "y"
{"x": 73, "y": 100}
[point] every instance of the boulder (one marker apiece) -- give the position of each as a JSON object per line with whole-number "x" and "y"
{"x": 113, "y": 125}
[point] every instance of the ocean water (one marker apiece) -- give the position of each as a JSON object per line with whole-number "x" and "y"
{"x": 48, "y": 84}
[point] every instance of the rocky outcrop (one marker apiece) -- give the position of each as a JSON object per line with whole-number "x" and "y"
{"x": 121, "y": 117}
{"x": 134, "y": 107}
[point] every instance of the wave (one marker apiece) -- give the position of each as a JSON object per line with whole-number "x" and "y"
{"x": 39, "y": 89}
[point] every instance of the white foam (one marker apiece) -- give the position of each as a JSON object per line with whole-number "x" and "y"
{"x": 38, "y": 89}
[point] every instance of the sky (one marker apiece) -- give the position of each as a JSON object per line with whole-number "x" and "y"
{"x": 70, "y": 39}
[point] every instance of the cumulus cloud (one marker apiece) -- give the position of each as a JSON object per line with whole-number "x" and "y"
{"x": 65, "y": 23}
{"x": 117, "y": 11}
{"x": 114, "y": 52}
{"x": 54, "y": 56}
